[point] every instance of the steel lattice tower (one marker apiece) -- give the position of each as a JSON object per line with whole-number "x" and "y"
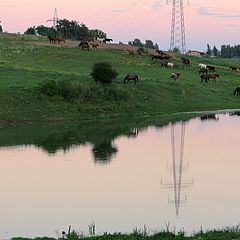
{"x": 55, "y": 19}
{"x": 178, "y": 38}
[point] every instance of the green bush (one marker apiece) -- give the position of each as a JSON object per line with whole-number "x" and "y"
{"x": 103, "y": 73}
{"x": 49, "y": 88}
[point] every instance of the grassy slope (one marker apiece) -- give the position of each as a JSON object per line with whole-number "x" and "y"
{"x": 23, "y": 66}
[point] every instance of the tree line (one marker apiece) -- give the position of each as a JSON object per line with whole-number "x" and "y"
{"x": 148, "y": 44}
{"x": 227, "y": 51}
{"x": 68, "y": 29}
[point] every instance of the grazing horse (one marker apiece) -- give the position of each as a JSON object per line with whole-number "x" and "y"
{"x": 84, "y": 45}
{"x": 213, "y": 77}
{"x": 131, "y": 77}
{"x": 237, "y": 91}
{"x": 204, "y": 77}
{"x": 59, "y": 40}
{"x": 185, "y": 61}
{"x": 170, "y": 65}
{"x": 94, "y": 45}
{"x": 159, "y": 52}
{"x": 175, "y": 76}
{"x": 202, "y": 66}
{"x": 234, "y": 69}
{"x": 203, "y": 71}
{"x": 211, "y": 68}
{"x": 51, "y": 39}
{"x": 130, "y": 52}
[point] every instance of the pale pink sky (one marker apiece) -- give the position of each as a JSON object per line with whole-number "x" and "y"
{"x": 207, "y": 21}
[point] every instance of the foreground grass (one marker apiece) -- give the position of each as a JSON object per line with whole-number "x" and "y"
{"x": 225, "y": 234}
{"x": 24, "y": 66}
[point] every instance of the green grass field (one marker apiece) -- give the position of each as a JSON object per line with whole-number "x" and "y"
{"x": 23, "y": 66}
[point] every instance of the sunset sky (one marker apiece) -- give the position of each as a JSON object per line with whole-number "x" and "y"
{"x": 207, "y": 21}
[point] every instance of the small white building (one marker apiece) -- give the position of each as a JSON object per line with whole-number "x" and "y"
{"x": 195, "y": 53}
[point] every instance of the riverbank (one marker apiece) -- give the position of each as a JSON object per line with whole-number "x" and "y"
{"x": 224, "y": 234}
{"x": 24, "y": 66}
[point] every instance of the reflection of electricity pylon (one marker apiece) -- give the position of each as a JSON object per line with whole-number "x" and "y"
{"x": 55, "y": 19}
{"x": 177, "y": 169}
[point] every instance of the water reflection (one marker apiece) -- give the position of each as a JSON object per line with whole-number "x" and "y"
{"x": 209, "y": 117}
{"x": 56, "y": 171}
{"x": 177, "y": 169}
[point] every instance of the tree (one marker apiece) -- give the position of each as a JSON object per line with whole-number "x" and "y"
{"x": 103, "y": 73}
{"x": 1, "y": 29}
{"x": 215, "y": 51}
{"x": 46, "y": 31}
{"x": 136, "y": 42}
{"x": 209, "y": 51}
{"x": 156, "y": 46}
{"x": 96, "y": 33}
{"x": 149, "y": 44}
{"x": 176, "y": 50}
{"x": 30, "y": 31}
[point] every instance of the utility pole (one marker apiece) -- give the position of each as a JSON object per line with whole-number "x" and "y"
{"x": 178, "y": 37}
{"x": 55, "y": 19}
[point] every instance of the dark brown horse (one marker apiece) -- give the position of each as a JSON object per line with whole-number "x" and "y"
{"x": 211, "y": 68}
{"x": 131, "y": 77}
{"x": 204, "y": 77}
{"x": 185, "y": 61}
{"x": 84, "y": 45}
{"x": 234, "y": 69}
{"x": 237, "y": 91}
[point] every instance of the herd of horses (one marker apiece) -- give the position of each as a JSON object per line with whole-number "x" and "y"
{"x": 206, "y": 72}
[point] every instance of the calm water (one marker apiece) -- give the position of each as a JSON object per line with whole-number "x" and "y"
{"x": 186, "y": 174}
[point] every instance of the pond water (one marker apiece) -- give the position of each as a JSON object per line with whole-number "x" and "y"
{"x": 186, "y": 174}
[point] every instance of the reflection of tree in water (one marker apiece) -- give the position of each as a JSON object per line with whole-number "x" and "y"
{"x": 236, "y": 113}
{"x": 104, "y": 152}
{"x": 62, "y": 137}
{"x": 209, "y": 117}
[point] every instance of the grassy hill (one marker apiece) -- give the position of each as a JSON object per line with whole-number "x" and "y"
{"x": 24, "y": 65}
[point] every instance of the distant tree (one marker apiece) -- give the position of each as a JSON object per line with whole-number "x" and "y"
{"x": 30, "y": 31}
{"x": 96, "y": 33}
{"x": 103, "y": 73}
{"x": 209, "y": 51}
{"x": 156, "y": 46}
{"x": 136, "y": 42}
{"x": 46, "y": 31}
{"x": 176, "y": 50}
{"x": 1, "y": 29}
{"x": 120, "y": 42}
{"x": 215, "y": 51}
{"x": 149, "y": 44}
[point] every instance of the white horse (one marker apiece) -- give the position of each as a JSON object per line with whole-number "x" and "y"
{"x": 170, "y": 65}
{"x": 101, "y": 40}
{"x": 202, "y": 66}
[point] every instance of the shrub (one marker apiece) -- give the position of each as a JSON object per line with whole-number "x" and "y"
{"x": 103, "y": 73}
{"x": 49, "y": 88}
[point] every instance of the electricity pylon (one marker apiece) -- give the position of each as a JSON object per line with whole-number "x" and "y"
{"x": 55, "y": 19}
{"x": 178, "y": 36}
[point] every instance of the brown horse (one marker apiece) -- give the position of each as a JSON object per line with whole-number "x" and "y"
{"x": 94, "y": 45}
{"x": 213, "y": 76}
{"x": 185, "y": 61}
{"x": 130, "y": 52}
{"x": 131, "y": 77}
{"x": 59, "y": 40}
{"x": 204, "y": 77}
